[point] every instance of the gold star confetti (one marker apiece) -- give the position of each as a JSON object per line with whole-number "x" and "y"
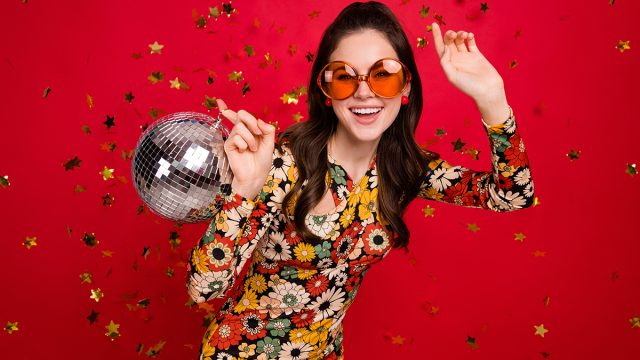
{"x": 293, "y": 49}
{"x": 214, "y": 12}
{"x": 93, "y": 317}
{"x": 546, "y": 301}
{"x": 108, "y": 200}
{"x": 108, "y": 146}
{"x": 210, "y": 102}
{"x": 249, "y": 50}
{"x": 128, "y": 97}
{"x": 4, "y": 181}
{"x": 155, "y": 48}
{"x": 107, "y": 253}
{"x": 574, "y": 154}
{"x": 96, "y": 294}
{"x": 90, "y": 239}
{"x": 71, "y": 164}
{"x": 110, "y": 122}
{"x": 30, "y": 241}
{"x": 631, "y": 169}
{"x": 79, "y": 188}
{"x": 86, "y": 129}
{"x": 267, "y": 61}
{"x": 90, "y": 103}
{"x": 235, "y": 76}
{"x": 424, "y": 11}
{"x": 540, "y": 330}
{"x": 112, "y": 330}
{"x": 46, "y": 92}
{"x": 106, "y": 173}
{"x": 539, "y": 253}
{"x": 156, "y": 77}
{"x": 473, "y": 152}
{"x": 513, "y": 63}
{"x": 473, "y": 227}
{"x": 536, "y": 201}
{"x": 635, "y": 322}
{"x": 245, "y": 89}
{"x": 519, "y": 237}
{"x": 228, "y": 9}
{"x": 471, "y": 342}
{"x": 11, "y": 327}
{"x": 86, "y": 277}
{"x": 314, "y": 14}
{"x": 175, "y": 83}
{"x": 428, "y": 211}
{"x": 297, "y": 117}
{"x": 154, "y": 351}
{"x": 457, "y": 145}
{"x": 422, "y": 42}
{"x": 397, "y": 340}
{"x": 484, "y": 7}
{"x": 623, "y": 45}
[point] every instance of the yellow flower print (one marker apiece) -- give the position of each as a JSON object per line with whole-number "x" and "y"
{"x": 297, "y": 334}
{"x": 304, "y": 252}
{"x": 222, "y": 223}
{"x": 317, "y": 332}
{"x": 248, "y": 301}
{"x": 199, "y": 260}
{"x": 292, "y": 174}
{"x": 347, "y": 217}
{"x": 270, "y": 184}
{"x": 304, "y": 274}
{"x": 257, "y": 283}
{"x": 506, "y": 170}
{"x": 367, "y": 202}
{"x": 246, "y": 350}
{"x": 354, "y": 196}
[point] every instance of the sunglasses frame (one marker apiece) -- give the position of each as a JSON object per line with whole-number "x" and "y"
{"x": 360, "y": 78}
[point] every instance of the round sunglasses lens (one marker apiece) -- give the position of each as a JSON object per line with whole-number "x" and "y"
{"x": 338, "y": 80}
{"x": 387, "y": 78}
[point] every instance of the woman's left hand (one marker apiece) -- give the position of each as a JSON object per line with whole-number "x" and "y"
{"x": 466, "y": 68}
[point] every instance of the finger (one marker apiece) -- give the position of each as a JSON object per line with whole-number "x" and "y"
{"x": 247, "y": 136}
{"x": 221, "y": 104}
{"x": 450, "y": 35}
{"x": 226, "y": 112}
{"x": 235, "y": 143}
{"x": 459, "y": 41}
{"x": 437, "y": 39}
{"x": 268, "y": 130}
{"x": 250, "y": 121}
{"x": 473, "y": 47}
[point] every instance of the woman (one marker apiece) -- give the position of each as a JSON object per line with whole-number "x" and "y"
{"x": 308, "y": 215}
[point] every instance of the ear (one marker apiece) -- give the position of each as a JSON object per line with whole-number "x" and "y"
{"x": 407, "y": 90}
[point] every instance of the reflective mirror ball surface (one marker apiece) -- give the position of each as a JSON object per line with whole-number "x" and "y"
{"x": 180, "y": 169}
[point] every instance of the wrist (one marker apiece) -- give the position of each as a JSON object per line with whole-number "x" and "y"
{"x": 247, "y": 191}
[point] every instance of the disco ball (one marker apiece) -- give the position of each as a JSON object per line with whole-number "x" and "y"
{"x": 180, "y": 169}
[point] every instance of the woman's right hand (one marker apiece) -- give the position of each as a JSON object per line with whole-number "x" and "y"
{"x": 249, "y": 149}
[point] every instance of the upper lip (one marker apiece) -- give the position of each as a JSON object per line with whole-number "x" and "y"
{"x": 365, "y": 106}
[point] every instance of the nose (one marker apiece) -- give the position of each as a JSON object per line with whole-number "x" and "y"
{"x": 363, "y": 91}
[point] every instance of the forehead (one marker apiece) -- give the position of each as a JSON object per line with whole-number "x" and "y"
{"x": 363, "y": 48}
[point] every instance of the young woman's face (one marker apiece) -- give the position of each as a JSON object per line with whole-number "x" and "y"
{"x": 361, "y": 50}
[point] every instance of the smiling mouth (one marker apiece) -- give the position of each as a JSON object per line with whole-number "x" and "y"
{"x": 366, "y": 111}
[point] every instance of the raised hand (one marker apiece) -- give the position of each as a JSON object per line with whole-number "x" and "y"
{"x": 249, "y": 149}
{"x": 464, "y": 65}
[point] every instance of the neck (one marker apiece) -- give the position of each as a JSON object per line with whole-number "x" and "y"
{"x": 350, "y": 152}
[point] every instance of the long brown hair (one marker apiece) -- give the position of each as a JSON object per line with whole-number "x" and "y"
{"x": 400, "y": 161}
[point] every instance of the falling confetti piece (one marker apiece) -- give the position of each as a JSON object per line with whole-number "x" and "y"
{"x": 106, "y": 173}
{"x": 110, "y": 122}
{"x": 11, "y": 327}
{"x": 46, "y": 92}
{"x": 72, "y": 163}
{"x": 457, "y": 145}
{"x": 86, "y": 129}
{"x": 428, "y": 211}
{"x": 30, "y": 241}
{"x": 623, "y": 46}
{"x": 245, "y": 88}
{"x": 4, "y": 181}
{"x": 471, "y": 342}
{"x": 93, "y": 317}
{"x": 547, "y": 299}
{"x": 484, "y": 7}
{"x": 90, "y": 102}
{"x": 635, "y": 322}
{"x": 86, "y": 278}
{"x": 128, "y": 97}
{"x": 156, "y": 48}
{"x": 96, "y": 294}
{"x": 248, "y": 49}
{"x": 422, "y": 42}
{"x": 297, "y": 117}
{"x": 90, "y": 239}
{"x": 513, "y": 63}
{"x": 631, "y": 169}
{"x": 473, "y": 152}
{"x": 228, "y": 9}
{"x": 540, "y": 330}
{"x": 235, "y": 76}
{"x": 108, "y": 200}
{"x": 112, "y": 330}
{"x": 156, "y": 77}
{"x": 424, "y": 11}
{"x": 214, "y": 12}
{"x": 473, "y": 227}
{"x": 155, "y": 349}
{"x": 519, "y": 237}
{"x": 574, "y": 154}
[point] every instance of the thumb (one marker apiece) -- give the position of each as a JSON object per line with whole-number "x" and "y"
{"x": 268, "y": 131}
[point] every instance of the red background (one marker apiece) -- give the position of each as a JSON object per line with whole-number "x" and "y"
{"x": 571, "y": 90}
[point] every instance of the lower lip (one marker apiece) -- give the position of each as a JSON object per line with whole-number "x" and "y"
{"x": 366, "y": 119}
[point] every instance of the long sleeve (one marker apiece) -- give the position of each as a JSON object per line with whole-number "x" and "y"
{"x": 507, "y": 187}
{"x": 226, "y": 246}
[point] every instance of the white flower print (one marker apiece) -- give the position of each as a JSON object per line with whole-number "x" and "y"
{"x": 373, "y": 179}
{"x": 203, "y": 284}
{"x": 378, "y": 235}
{"x": 324, "y": 263}
{"x": 508, "y": 201}
{"x": 280, "y": 166}
{"x": 342, "y": 192}
{"x": 277, "y": 248}
{"x": 441, "y": 178}
{"x": 295, "y": 351}
{"x": 328, "y": 303}
{"x": 321, "y": 225}
{"x": 270, "y": 305}
{"x": 355, "y": 253}
{"x": 341, "y": 279}
{"x": 523, "y": 176}
{"x": 332, "y": 272}
{"x": 528, "y": 191}
{"x": 292, "y": 296}
{"x": 233, "y": 222}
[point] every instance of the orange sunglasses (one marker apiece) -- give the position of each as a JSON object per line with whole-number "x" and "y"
{"x": 387, "y": 78}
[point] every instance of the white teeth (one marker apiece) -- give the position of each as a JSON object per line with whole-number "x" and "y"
{"x": 365, "y": 111}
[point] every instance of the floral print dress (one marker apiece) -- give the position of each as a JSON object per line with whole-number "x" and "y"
{"x": 295, "y": 294}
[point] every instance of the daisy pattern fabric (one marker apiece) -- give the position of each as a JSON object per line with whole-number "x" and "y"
{"x": 295, "y": 294}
